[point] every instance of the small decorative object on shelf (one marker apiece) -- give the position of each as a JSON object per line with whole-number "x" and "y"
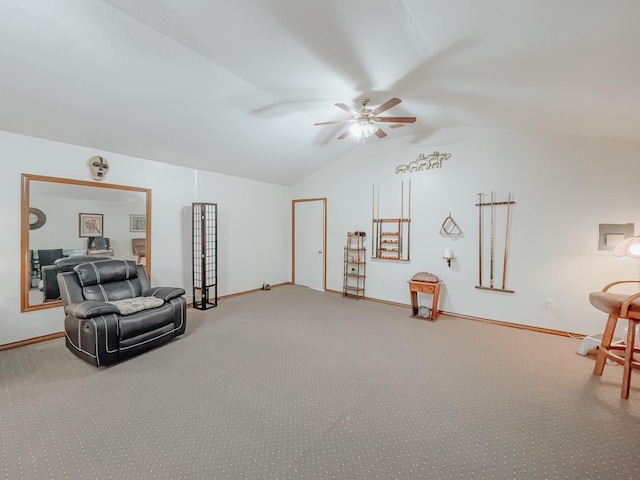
{"x": 425, "y": 277}
{"x": 355, "y": 255}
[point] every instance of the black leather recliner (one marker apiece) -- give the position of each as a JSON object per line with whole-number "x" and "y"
{"x": 112, "y": 312}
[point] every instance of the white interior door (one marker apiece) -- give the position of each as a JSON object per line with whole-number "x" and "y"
{"x": 309, "y": 243}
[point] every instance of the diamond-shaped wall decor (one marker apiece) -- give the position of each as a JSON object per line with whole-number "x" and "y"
{"x": 450, "y": 228}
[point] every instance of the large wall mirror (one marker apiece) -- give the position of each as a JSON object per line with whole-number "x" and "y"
{"x": 66, "y": 221}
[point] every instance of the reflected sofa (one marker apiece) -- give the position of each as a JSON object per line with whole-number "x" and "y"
{"x": 49, "y": 273}
{"x": 113, "y": 313}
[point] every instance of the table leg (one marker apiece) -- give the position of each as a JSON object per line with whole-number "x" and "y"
{"x": 414, "y": 304}
{"x": 434, "y": 304}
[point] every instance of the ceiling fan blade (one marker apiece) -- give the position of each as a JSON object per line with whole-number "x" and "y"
{"x": 349, "y": 109}
{"x": 334, "y": 122}
{"x": 380, "y": 133}
{"x": 396, "y": 119}
{"x": 386, "y": 106}
{"x": 344, "y": 135}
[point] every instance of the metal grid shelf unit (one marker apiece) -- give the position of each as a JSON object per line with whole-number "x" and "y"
{"x": 205, "y": 254}
{"x": 355, "y": 256}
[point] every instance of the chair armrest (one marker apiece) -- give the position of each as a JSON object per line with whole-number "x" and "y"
{"x": 165, "y": 293}
{"x": 90, "y": 309}
{"x": 624, "y": 308}
{"x": 607, "y": 287}
{"x": 49, "y": 274}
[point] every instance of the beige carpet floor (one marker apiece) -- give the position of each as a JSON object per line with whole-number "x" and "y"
{"x": 294, "y": 383}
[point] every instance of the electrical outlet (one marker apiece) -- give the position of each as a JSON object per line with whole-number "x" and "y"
{"x": 549, "y": 303}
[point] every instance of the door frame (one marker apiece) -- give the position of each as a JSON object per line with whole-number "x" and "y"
{"x": 324, "y": 237}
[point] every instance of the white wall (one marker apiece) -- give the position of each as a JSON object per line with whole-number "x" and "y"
{"x": 254, "y": 223}
{"x": 563, "y": 187}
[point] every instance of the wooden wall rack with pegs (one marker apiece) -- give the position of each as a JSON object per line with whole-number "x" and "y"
{"x": 390, "y": 237}
{"x": 496, "y": 244}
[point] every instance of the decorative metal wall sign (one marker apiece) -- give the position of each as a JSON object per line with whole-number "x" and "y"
{"x": 496, "y": 243}
{"x": 424, "y": 162}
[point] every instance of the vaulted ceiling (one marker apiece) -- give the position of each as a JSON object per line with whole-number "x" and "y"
{"x": 235, "y": 86}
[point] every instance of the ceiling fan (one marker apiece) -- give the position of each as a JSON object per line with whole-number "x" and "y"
{"x": 364, "y": 122}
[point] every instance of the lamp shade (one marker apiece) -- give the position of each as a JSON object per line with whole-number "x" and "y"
{"x": 356, "y": 129}
{"x": 448, "y": 254}
{"x": 628, "y": 248}
{"x": 363, "y": 127}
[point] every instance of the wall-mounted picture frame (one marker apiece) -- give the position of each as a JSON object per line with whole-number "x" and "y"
{"x": 137, "y": 223}
{"x": 91, "y": 225}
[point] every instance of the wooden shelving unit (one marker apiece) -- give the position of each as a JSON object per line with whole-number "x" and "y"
{"x": 355, "y": 256}
{"x": 389, "y": 245}
{"x": 391, "y": 238}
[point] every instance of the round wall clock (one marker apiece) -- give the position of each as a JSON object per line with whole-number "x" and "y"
{"x": 37, "y": 218}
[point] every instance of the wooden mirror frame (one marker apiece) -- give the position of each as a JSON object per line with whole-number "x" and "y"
{"x": 25, "y": 262}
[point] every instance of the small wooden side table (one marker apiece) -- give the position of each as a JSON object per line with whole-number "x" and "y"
{"x": 424, "y": 287}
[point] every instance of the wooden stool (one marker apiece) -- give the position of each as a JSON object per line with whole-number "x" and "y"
{"x": 424, "y": 287}
{"x": 618, "y": 305}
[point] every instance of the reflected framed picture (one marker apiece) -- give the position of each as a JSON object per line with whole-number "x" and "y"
{"x": 137, "y": 223}
{"x": 91, "y": 225}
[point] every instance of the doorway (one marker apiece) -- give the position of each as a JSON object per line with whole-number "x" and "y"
{"x": 309, "y": 239}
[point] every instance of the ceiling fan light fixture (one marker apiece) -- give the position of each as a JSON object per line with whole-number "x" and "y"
{"x": 363, "y": 127}
{"x": 369, "y": 128}
{"x": 365, "y": 122}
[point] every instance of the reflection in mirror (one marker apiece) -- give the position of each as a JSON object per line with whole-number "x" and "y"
{"x": 66, "y": 222}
